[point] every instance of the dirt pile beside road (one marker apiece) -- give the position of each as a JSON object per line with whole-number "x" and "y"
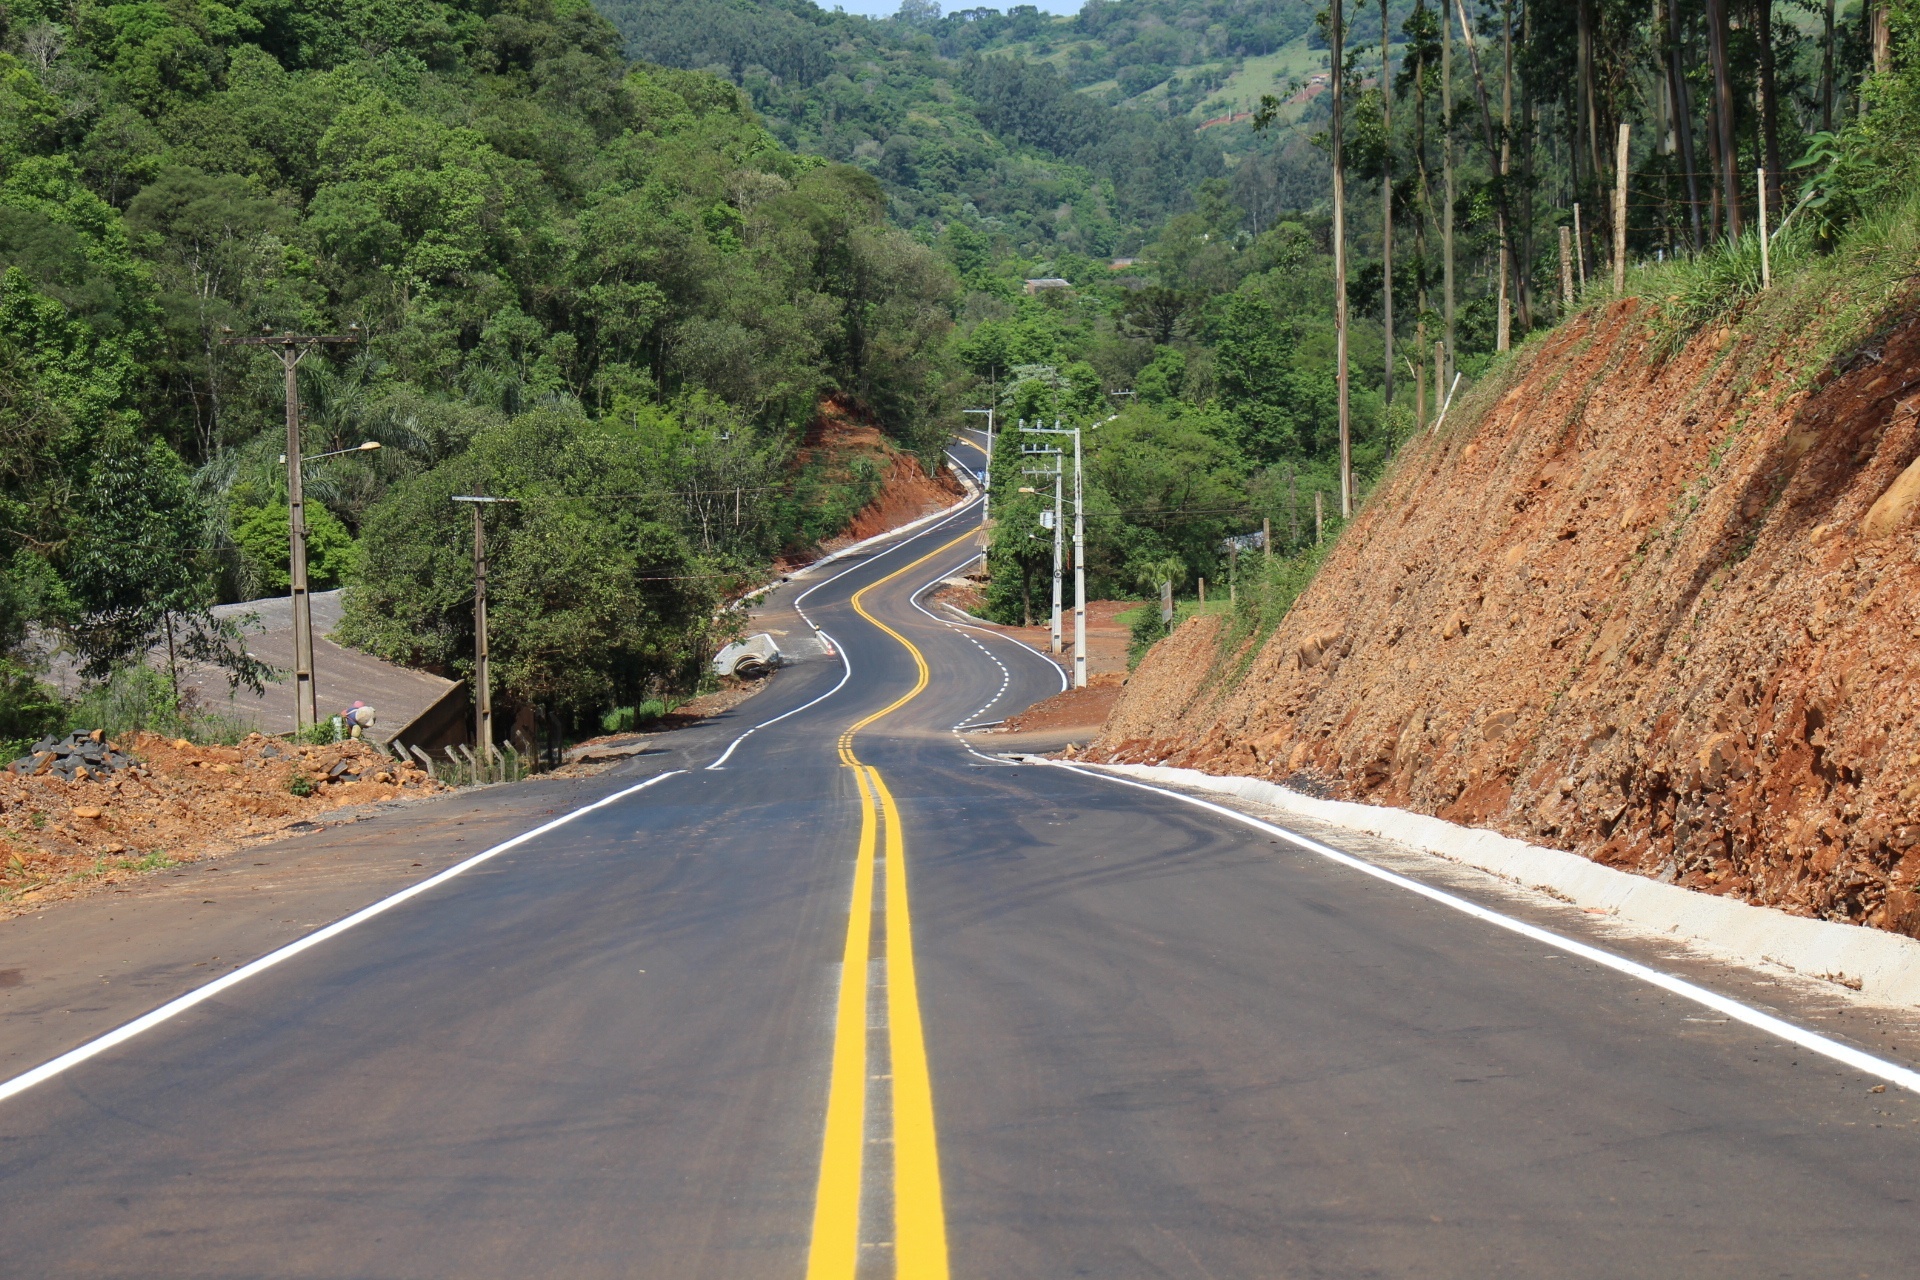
{"x": 176, "y": 802}
{"x": 847, "y": 441}
{"x": 1662, "y": 612}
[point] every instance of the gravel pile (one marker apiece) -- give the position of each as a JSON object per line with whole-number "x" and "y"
{"x": 77, "y": 758}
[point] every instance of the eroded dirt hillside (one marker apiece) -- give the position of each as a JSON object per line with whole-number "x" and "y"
{"x": 1665, "y": 613}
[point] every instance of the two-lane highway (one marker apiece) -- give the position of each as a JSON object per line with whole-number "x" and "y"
{"x": 853, "y": 1000}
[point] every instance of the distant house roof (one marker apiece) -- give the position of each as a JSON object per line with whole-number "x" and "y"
{"x": 1121, "y": 264}
{"x": 1048, "y": 282}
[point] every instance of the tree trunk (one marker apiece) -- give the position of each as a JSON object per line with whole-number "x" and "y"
{"x": 1723, "y": 114}
{"x": 1509, "y": 264}
{"x": 1496, "y": 150}
{"x": 1386, "y": 195}
{"x": 1340, "y": 256}
{"x": 1446, "y": 179}
{"x": 1769, "y": 110}
{"x": 1585, "y": 156}
{"x": 1826, "y": 74}
{"x": 1420, "y": 168}
{"x": 1882, "y": 39}
{"x": 1683, "y": 116}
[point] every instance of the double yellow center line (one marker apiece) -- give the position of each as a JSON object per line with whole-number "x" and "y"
{"x": 919, "y": 1243}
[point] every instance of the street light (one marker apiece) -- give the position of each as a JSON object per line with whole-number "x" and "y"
{"x": 315, "y": 457}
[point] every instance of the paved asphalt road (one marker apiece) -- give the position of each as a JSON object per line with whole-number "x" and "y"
{"x": 1087, "y": 1030}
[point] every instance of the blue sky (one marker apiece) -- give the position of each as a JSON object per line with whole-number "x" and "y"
{"x": 885, "y": 8}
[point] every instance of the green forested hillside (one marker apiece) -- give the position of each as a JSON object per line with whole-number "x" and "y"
{"x": 551, "y": 256}
{"x": 956, "y": 131}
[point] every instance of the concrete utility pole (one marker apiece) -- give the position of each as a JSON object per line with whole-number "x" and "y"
{"x": 292, "y": 349}
{"x": 986, "y": 475}
{"x": 1048, "y": 519}
{"x": 482, "y": 680}
{"x": 1079, "y": 546}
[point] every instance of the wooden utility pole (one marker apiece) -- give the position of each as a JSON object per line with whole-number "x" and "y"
{"x": 292, "y": 349}
{"x": 1386, "y": 193}
{"x": 1266, "y": 538}
{"x": 482, "y": 679}
{"x": 1566, "y": 267}
{"x": 1766, "y": 263}
{"x": 1319, "y": 517}
{"x": 1439, "y": 382}
{"x": 1340, "y": 261}
{"x": 1620, "y": 213}
{"x": 1579, "y": 249}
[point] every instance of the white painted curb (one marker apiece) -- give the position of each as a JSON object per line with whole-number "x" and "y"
{"x": 1886, "y": 965}
{"x": 864, "y": 543}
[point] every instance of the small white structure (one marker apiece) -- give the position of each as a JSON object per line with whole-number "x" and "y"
{"x": 750, "y": 658}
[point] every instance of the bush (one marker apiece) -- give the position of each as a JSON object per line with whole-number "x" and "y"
{"x": 1147, "y": 630}
{"x": 29, "y": 710}
{"x": 627, "y": 719}
{"x": 137, "y": 697}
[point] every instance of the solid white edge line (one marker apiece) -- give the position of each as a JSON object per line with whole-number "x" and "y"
{"x": 180, "y": 1004}
{"x": 1005, "y": 675}
{"x": 1813, "y": 1042}
{"x": 864, "y": 543}
{"x": 839, "y": 649}
{"x": 952, "y": 513}
{"x": 845, "y": 674}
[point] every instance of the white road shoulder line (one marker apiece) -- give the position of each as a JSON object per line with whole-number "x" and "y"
{"x": 845, "y": 674}
{"x": 179, "y": 1005}
{"x": 1845, "y": 1054}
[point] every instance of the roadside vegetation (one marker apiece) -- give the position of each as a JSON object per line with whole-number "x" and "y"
{"x": 602, "y": 288}
{"x": 616, "y": 294}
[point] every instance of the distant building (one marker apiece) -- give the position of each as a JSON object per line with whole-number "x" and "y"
{"x": 1048, "y": 282}
{"x": 1121, "y": 264}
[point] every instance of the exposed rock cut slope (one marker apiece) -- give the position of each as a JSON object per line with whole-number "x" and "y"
{"x": 1663, "y": 613}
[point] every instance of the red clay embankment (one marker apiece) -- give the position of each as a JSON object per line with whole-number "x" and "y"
{"x": 1664, "y": 613}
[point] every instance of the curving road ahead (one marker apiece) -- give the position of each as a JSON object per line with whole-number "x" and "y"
{"x": 845, "y": 997}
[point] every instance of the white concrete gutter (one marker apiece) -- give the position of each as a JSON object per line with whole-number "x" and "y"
{"x": 1881, "y": 966}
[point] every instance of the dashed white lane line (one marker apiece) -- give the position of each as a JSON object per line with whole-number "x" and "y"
{"x": 1006, "y": 676}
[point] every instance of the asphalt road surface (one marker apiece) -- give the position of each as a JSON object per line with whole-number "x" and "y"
{"x": 861, "y": 1001}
